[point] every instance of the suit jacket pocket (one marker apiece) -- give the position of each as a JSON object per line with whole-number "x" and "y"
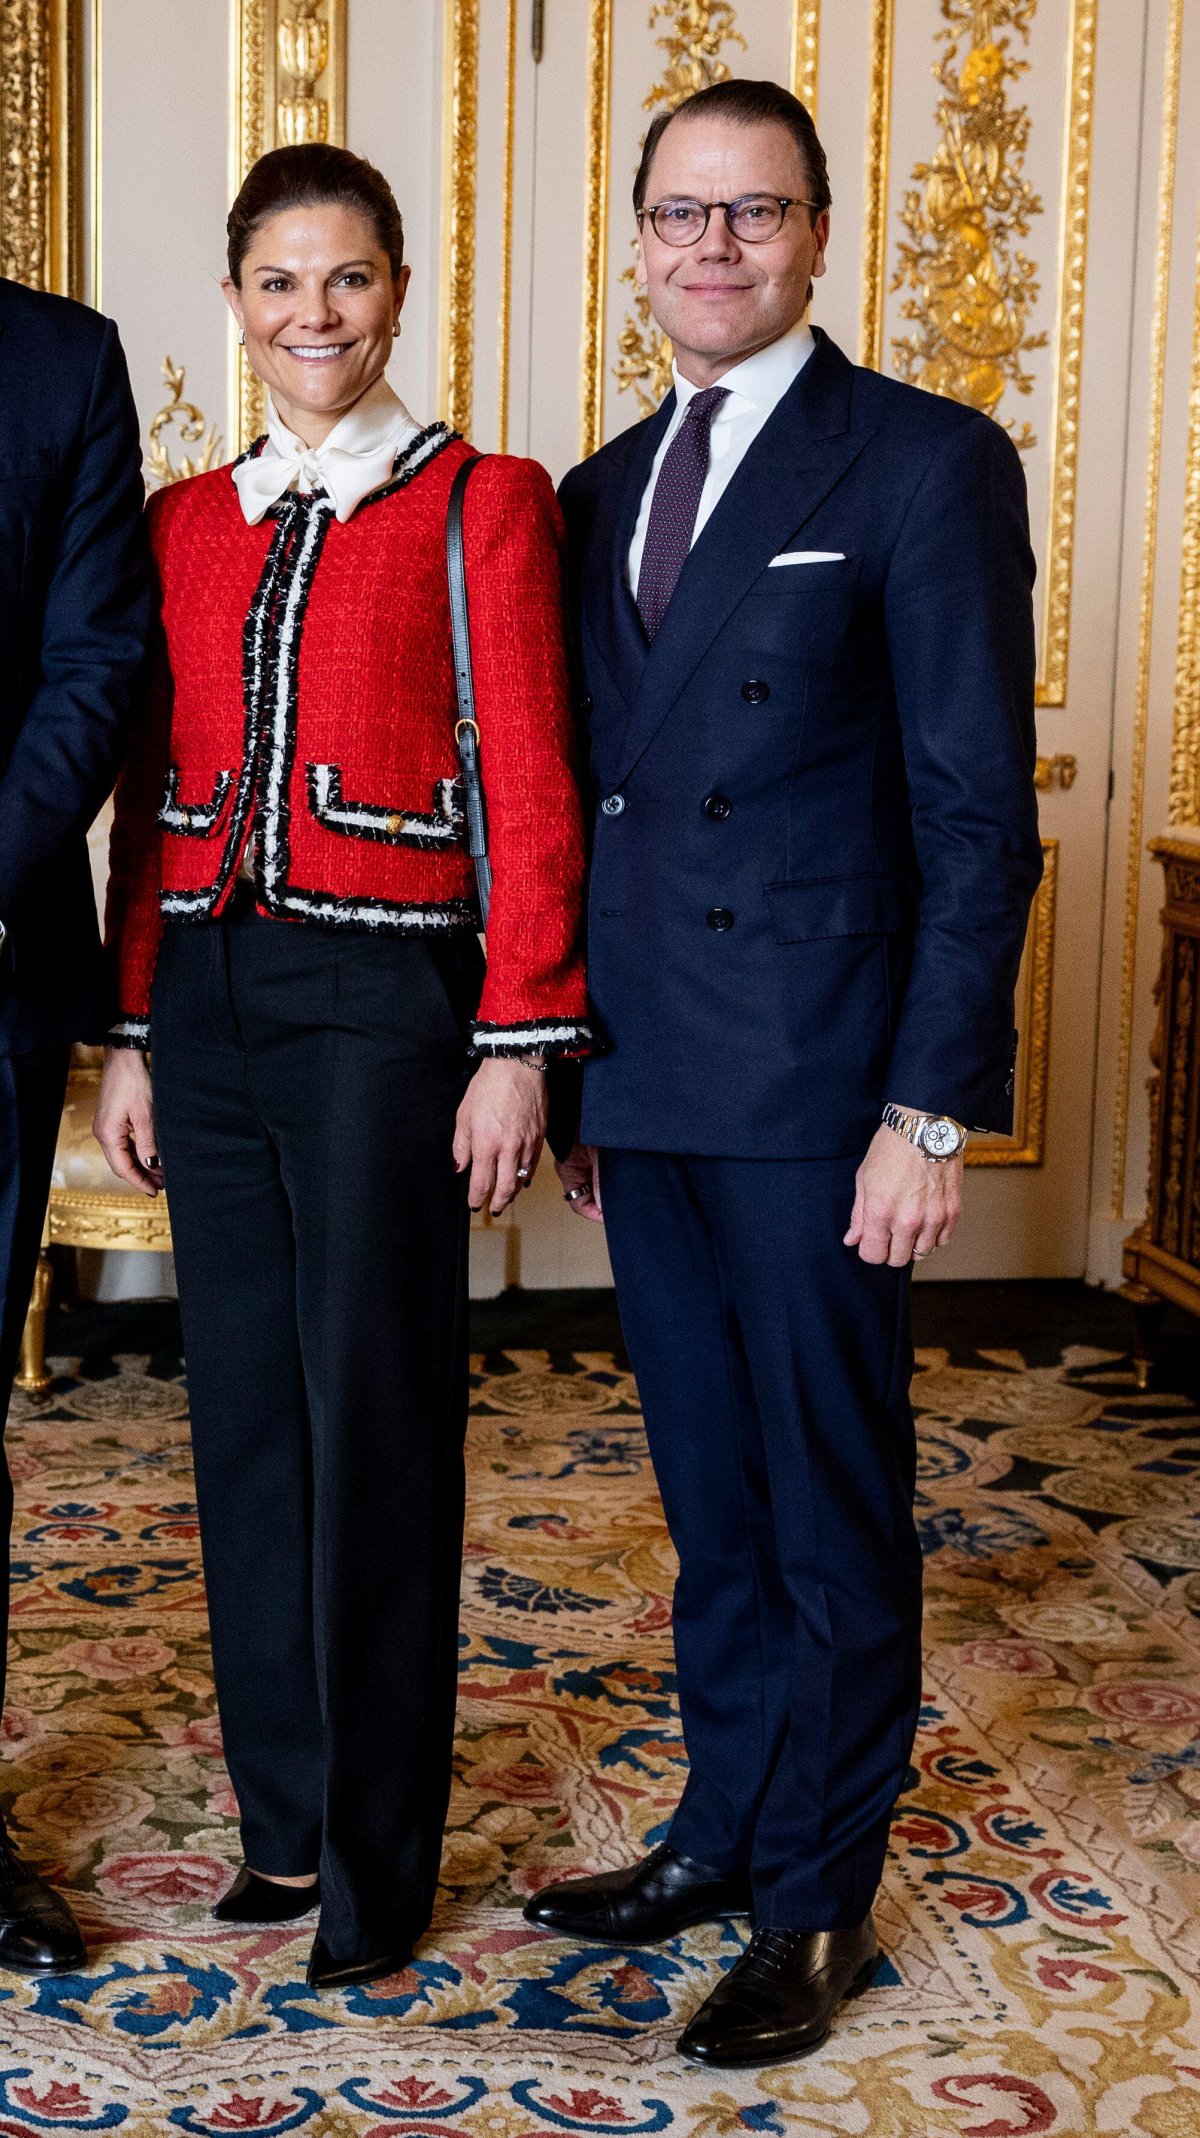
{"x": 195, "y": 820}
{"x": 810, "y": 910}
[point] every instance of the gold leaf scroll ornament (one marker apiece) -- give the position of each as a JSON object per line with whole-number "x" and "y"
{"x": 693, "y": 48}
{"x": 160, "y": 469}
{"x": 971, "y": 204}
{"x": 302, "y": 41}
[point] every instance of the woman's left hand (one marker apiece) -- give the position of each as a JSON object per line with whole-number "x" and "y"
{"x": 500, "y": 1131}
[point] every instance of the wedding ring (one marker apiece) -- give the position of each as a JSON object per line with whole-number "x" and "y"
{"x": 575, "y": 1195}
{"x": 522, "y": 1172}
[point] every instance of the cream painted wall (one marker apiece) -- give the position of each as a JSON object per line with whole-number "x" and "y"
{"x": 163, "y": 198}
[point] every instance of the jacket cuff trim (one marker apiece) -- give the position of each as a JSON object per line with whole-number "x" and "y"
{"x": 546, "y": 1036}
{"x": 129, "y": 1032}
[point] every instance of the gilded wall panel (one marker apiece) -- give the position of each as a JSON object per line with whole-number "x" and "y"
{"x": 40, "y": 144}
{"x": 1135, "y": 835}
{"x": 1185, "y": 745}
{"x": 974, "y": 294}
{"x": 288, "y": 84}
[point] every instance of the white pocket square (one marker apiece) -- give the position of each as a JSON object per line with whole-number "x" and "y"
{"x": 808, "y": 556}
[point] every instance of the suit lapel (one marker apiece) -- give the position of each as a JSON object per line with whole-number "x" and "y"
{"x": 611, "y": 609}
{"x": 799, "y": 456}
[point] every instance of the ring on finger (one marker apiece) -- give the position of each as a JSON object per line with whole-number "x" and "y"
{"x": 522, "y": 1173}
{"x": 574, "y": 1195}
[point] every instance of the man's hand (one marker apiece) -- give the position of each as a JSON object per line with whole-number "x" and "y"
{"x": 905, "y": 1205}
{"x": 500, "y": 1131}
{"x": 582, "y": 1170}
{"x": 124, "y": 1120}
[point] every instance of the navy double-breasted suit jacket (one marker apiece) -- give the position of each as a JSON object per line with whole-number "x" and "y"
{"x": 815, "y": 836}
{"x": 76, "y": 605}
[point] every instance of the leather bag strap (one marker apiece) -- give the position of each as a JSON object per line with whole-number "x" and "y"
{"x": 467, "y": 729}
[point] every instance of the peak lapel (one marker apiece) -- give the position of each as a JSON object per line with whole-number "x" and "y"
{"x": 612, "y": 611}
{"x": 799, "y": 456}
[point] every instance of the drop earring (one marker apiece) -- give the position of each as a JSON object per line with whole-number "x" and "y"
{"x": 241, "y": 337}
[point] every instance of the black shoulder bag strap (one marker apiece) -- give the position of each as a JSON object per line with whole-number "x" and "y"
{"x": 466, "y": 733}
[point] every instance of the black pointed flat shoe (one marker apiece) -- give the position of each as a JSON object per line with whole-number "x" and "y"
{"x": 326, "y": 1973}
{"x": 779, "y": 1999}
{"x": 252, "y": 1899}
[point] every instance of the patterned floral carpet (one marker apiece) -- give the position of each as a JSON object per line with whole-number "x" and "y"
{"x": 1041, "y": 1918}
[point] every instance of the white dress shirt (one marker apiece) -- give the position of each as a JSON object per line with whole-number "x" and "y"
{"x": 353, "y": 460}
{"x": 755, "y": 388}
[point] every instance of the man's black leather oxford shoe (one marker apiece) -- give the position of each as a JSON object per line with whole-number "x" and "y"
{"x": 38, "y": 1933}
{"x": 779, "y": 1999}
{"x": 650, "y": 1901}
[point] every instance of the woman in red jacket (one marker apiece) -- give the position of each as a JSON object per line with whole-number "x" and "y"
{"x": 294, "y": 924}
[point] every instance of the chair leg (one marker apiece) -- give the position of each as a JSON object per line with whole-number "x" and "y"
{"x": 1149, "y": 1313}
{"x": 31, "y": 1374}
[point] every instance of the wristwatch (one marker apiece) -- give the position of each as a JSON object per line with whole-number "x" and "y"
{"x": 936, "y": 1136}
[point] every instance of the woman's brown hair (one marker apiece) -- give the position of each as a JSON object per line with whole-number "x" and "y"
{"x": 313, "y": 174}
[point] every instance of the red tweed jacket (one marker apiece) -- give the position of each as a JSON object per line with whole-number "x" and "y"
{"x": 304, "y": 701}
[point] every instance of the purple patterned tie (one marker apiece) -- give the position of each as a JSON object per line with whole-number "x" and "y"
{"x": 674, "y": 506}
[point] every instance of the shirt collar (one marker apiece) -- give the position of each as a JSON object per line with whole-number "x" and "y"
{"x": 355, "y": 459}
{"x": 761, "y": 380}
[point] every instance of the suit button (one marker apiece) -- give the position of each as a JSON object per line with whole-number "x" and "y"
{"x": 721, "y": 919}
{"x": 717, "y": 807}
{"x": 613, "y": 805}
{"x": 755, "y": 692}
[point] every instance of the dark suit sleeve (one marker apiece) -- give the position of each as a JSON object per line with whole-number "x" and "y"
{"x": 959, "y": 619}
{"x": 95, "y": 626}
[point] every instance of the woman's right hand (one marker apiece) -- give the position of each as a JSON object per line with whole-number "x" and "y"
{"x": 124, "y": 1120}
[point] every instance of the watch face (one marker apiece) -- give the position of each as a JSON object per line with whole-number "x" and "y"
{"x": 941, "y": 1138}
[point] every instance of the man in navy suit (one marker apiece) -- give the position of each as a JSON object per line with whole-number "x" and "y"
{"x": 75, "y": 611}
{"x": 805, "y": 628}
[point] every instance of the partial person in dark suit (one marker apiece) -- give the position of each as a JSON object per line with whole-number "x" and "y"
{"x": 75, "y": 610}
{"x": 803, "y": 598}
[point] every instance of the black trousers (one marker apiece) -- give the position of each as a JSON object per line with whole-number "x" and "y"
{"x": 306, "y": 1083}
{"x": 31, "y": 1100}
{"x": 774, "y": 1368}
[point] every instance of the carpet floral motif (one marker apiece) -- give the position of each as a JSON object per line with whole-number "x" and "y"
{"x": 1041, "y": 1916}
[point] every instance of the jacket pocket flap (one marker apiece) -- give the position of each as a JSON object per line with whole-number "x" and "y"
{"x": 195, "y": 820}
{"x": 840, "y": 905}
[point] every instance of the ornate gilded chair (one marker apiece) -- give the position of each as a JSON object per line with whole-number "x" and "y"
{"x": 88, "y": 1208}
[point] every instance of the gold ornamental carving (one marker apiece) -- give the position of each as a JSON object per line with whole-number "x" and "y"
{"x": 185, "y": 420}
{"x": 699, "y": 31}
{"x": 806, "y": 44}
{"x": 1185, "y": 741}
{"x": 40, "y": 144}
{"x": 1135, "y": 835}
{"x": 288, "y": 85}
{"x": 595, "y": 222}
{"x": 302, "y": 46}
{"x": 972, "y": 286}
{"x": 1062, "y": 443}
{"x": 460, "y": 153}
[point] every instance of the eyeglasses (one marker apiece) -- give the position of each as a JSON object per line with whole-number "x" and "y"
{"x": 753, "y": 219}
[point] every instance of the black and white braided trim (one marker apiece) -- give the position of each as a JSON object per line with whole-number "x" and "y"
{"x": 129, "y": 1033}
{"x": 547, "y": 1035}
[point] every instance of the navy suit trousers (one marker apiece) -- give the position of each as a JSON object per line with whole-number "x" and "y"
{"x": 31, "y": 1098}
{"x": 774, "y": 1369}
